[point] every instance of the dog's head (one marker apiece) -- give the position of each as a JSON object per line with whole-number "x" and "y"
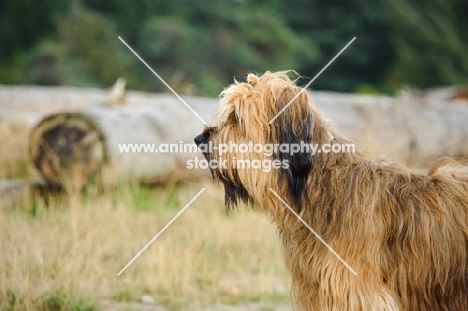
{"x": 267, "y": 111}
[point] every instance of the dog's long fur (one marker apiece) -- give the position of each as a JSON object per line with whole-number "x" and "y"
{"x": 405, "y": 234}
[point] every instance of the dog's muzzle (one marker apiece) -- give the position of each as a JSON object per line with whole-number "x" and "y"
{"x": 199, "y": 139}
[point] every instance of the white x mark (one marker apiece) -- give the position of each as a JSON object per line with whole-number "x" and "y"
{"x": 162, "y": 80}
{"x": 160, "y": 232}
{"x": 315, "y": 233}
{"x": 313, "y": 79}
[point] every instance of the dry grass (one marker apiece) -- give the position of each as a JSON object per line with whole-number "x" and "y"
{"x": 13, "y": 152}
{"x": 66, "y": 256}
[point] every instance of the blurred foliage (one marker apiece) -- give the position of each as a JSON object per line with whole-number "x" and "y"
{"x": 91, "y": 48}
{"x": 199, "y": 46}
{"x": 432, "y": 42}
{"x": 330, "y": 25}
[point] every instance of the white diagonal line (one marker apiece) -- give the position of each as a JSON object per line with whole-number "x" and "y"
{"x": 160, "y": 232}
{"x": 162, "y": 80}
{"x": 310, "y": 82}
{"x": 315, "y": 233}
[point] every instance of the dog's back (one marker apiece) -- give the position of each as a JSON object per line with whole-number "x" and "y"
{"x": 430, "y": 240}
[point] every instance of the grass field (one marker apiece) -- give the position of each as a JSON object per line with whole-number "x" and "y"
{"x": 65, "y": 255}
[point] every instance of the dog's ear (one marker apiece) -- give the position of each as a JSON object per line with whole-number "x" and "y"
{"x": 295, "y": 125}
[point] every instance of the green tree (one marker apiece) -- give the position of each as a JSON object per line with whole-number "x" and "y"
{"x": 90, "y": 42}
{"x": 200, "y": 45}
{"x": 23, "y": 24}
{"x": 215, "y": 40}
{"x": 329, "y": 25}
{"x": 431, "y": 41}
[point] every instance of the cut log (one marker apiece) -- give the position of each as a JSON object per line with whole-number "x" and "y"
{"x": 72, "y": 148}
{"x": 68, "y": 149}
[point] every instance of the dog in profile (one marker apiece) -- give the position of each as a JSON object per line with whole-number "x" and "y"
{"x": 404, "y": 234}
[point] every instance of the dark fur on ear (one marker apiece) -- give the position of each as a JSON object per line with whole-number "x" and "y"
{"x": 300, "y": 163}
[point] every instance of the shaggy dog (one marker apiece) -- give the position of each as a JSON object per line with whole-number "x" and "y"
{"x": 405, "y": 234}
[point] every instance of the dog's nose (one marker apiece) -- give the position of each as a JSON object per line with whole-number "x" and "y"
{"x": 199, "y": 140}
